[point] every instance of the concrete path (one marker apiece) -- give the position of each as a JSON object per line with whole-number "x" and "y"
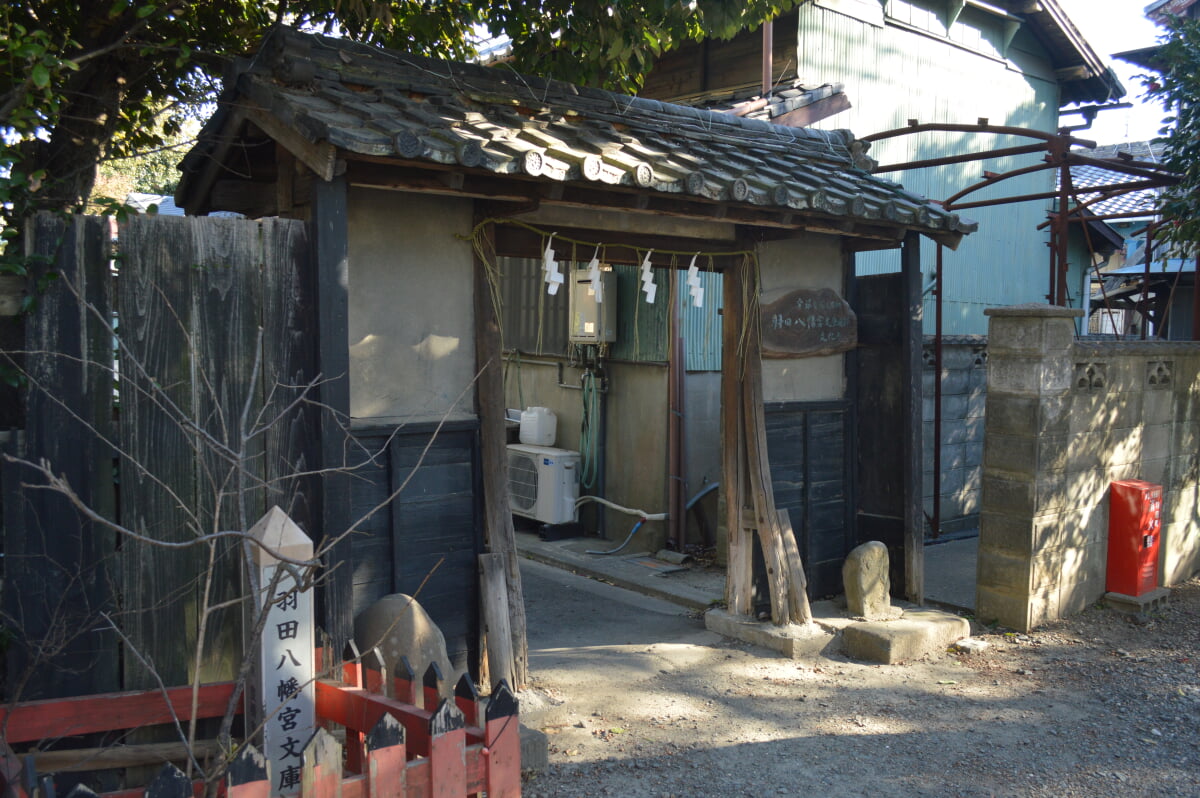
{"x": 578, "y": 626}
{"x": 950, "y": 573}
{"x": 693, "y": 587}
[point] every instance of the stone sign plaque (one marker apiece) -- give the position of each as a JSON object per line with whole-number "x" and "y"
{"x": 808, "y": 322}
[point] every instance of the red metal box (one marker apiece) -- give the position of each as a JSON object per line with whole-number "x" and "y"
{"x": 1134, "y": 532}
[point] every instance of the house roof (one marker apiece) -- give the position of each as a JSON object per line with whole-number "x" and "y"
{"x": 1083, "y": 75}
{"x": 783, "y": 100}
{"x": 332, "y": 96}
{"x": 1139, "y": 201}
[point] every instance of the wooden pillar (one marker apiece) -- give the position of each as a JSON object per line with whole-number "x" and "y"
{"x": 911, "y": 413}
{"x": 489, "y": 398}
{"x": 739, "y": 579}
{"x": 332, "y": 280}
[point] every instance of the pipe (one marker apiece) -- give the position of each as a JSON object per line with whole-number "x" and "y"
{"x": 632, "y": 532}
{"x": 707, "y": 489}
{"x": 601, "y": 448}
{"x": 645, "y": 516}
{"x": 937, "y": 398}
{"x": 674, "y": 486}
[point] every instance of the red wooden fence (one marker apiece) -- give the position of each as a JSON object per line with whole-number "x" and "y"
{"x": 401, "y": 740}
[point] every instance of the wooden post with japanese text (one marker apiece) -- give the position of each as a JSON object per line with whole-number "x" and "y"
{"x": 281, "y": 696}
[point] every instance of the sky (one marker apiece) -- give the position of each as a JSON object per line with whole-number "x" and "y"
{"x": 1112, "y": 26}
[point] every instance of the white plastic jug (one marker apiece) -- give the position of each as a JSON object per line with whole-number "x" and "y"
{"x": 539, "y": 426}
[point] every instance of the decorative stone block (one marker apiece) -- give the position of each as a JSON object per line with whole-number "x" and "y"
{"x": 1013, "y": 497}
{"x": 1014, "y": 454}
{"x": 1011, "y": 413}
{"x": 1002, "y": 571}
{"x": 1002, "y": 607}
{"x": 1158, "y": 375}
{"x": 1051, "y": 491}
{"x": 1091, "y": 377}
{"x": 1157, "y": 440}
{"x": 1005, "y": 533}
{"x": 1158, "y": 407}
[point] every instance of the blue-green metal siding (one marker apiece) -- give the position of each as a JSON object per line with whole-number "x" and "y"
{"x": 642, "y": 329}
{"x": 911, "y": 69}
{"x": 701, "y": 327}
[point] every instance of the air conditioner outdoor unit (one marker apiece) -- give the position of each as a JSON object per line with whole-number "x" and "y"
{"x": 543, "y": 482}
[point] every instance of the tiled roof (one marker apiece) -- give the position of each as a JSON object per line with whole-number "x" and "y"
{"x": 750, "y": 104}
{"x": 383, "y": 103}
{"x": 1143, "y": 200}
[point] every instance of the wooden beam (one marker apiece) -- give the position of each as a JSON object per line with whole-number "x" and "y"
{"x": 623, "y": 248}
{"x": 1076, "y": 72}
{"x": 378, "y": 173}
{"x": 79, "y": 760}
{"x": 621, "y": 221}
{"x": 489, "y": 398}
{"x": 911, "y": 413}
{"x": 31, "y": 721}
{"x": 814, "y": 112}
{"x": 321, "y": 156}
{"x": 330, "y": 237}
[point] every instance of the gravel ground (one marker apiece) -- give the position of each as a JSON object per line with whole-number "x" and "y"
{"x": 638, "y": 700}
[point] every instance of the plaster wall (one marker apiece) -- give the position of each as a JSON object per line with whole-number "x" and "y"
{"x": 636, "y": 445}
{"x": 1064, "y": 419}
{"x": 411, "y": 328}
{"x": 810, "y": 262}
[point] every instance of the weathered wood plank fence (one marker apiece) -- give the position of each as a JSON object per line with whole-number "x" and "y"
{"x": 172, "y": 390}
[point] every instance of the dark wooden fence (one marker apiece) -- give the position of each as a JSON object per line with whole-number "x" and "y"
{"x": 208, "y": 324}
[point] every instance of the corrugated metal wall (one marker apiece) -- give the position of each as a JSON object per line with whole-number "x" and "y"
{"x": 701, "y": 327}
{"x": 536, "y": 323}
{"x": 893, "y": 74}
{"x": 533, "y": 322}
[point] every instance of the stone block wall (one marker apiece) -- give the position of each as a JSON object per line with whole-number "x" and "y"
{"x": 964, "y": 396}
{"x": 1065, "y": 418}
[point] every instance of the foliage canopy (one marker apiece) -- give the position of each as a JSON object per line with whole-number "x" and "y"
{"x": 1177, "y": 87}
{"x": 84, "y": 80}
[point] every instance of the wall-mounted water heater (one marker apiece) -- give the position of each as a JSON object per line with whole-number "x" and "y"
{"x": 593, "y": 322}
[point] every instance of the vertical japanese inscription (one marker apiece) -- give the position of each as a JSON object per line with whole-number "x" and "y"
{"x": 286, "y": 689}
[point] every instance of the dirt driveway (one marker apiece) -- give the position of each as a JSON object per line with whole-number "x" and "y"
{"x": 639, "y": 700}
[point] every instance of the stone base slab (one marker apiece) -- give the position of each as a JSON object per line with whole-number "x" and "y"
{"x": 912, "y": 636}
{"x": 792, "y": 641}
{"x": 1135, "y": 604}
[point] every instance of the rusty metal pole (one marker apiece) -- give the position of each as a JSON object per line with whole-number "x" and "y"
{"x": 1063, "y": 225}
{"x": 937, "y": 397}
{"x": 1146, "y": 280}
{"x": 768, "y": 53}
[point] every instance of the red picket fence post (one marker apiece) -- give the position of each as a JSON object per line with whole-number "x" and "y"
{"x": 396, "y": 749}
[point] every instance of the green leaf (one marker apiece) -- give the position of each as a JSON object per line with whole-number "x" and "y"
{"x": 40, "y": 76}
{"x": 145, "y": 11}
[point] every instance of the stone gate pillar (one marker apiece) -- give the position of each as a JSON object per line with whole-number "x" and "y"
{"x": 1025, "y": 452}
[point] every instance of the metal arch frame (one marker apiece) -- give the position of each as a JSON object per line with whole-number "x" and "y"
{"x": 1058, "y": 156}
